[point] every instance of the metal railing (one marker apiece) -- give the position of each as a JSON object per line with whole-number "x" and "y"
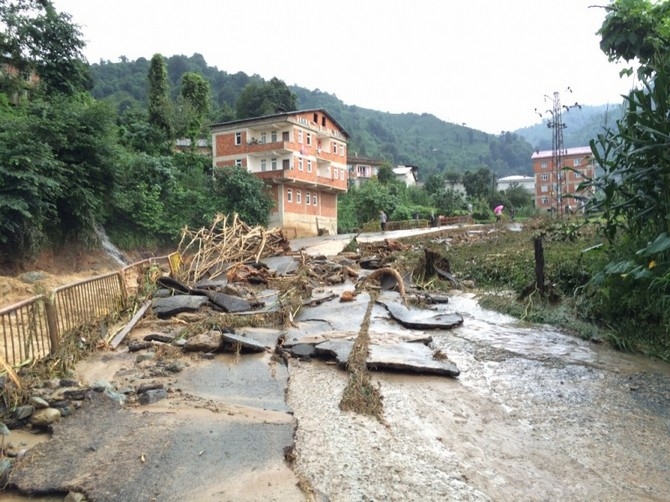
{"x": 33, "y": 329}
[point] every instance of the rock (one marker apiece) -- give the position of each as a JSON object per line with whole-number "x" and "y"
{"x": 282, "y": 265}
{"x": 135, "y": 346}
{"x": 175, "y": 367}
{"x": 340, "y": 349}
{"x": 69, "y": 382}
{"x": 45, "y": 417}
{"x": 152, "y": 396}
{"x": 115, "y": 396}
{"x": 205, "y": 342}
{"x": 159, "y": 337}
{"x": 32, "y": 277}
{"x": 149, "y": 386}
{"x": 24, "y": 411}
{"x": 148, "y": 356}
{"x": 75, "y": 394}
{"x": 229, "y": 303}
{"x": 75, "y": 497}
{"x": 38, "y": 402}
{"x": 5, "y": 468}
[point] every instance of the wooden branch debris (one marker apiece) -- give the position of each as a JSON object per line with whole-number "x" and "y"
{"x": 209, "y": 252}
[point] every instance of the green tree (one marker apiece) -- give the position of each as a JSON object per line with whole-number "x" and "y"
{"x": 160, "y": 110}
{"x": 243, "y": 193}
{"x": 434, "y": 184}
{"x": 265, "y": 98}
{"x": 385, "y": 174}
{"x": 40, "y": 42}
{"x": 478, "y": 183}
{"x": 194, "y": 92}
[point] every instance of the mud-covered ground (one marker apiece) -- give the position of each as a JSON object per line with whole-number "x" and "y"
{"x": 534, "y": 415}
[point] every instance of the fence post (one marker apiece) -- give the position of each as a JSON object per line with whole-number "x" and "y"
{"x": 122, "y": 286}
{"x": 52, "y": 323}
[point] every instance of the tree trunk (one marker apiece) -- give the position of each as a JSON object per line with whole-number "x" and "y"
{"x": 539, "y": 265}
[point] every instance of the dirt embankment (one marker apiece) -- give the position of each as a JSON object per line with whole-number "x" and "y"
{"x": 52, "y": 269}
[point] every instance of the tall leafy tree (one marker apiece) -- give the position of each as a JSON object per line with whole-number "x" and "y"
{"x": 243, "y": 193}
{"x": 265, "y": 98}
{"x": 43, "y": 45}
{"x": 159, "y": 105}
{"x": 195, "y": 94}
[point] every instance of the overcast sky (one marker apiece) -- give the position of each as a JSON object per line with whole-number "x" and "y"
{"x": 485, "y": 63}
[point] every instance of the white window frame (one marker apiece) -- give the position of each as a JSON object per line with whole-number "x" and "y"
{"x": 238, "y": 162}
{"x": 238, "y": 138}
{"x": 289, "y": 195}
{"x": 314, "y": 199}
{"x": 309, "y": 138}
{"x": 544, "y": 177}
{"x": 298, "y": 197}
{"x": 263, "y": 138}
{"x": 299, "y": 136}
{"x": 273, "y": 136}
{"x": 334, "y": 147}
{"x": 544, "y": 188}
{"x": 273, "y": 163}
{"x": 300, "y": 166}
{"x": 576, "y": 162}
{"x": 264, "y": 164}
{"x": 544, "y": 164}
{"x": 578, "y": 174}
{"x": 309, "y": 165}
{"x": 544, "y": 200}
{"x": 307, "y": 199}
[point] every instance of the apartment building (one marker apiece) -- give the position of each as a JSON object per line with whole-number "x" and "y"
{"x": 301, "y": 156}
{"x": 557, "y": 187}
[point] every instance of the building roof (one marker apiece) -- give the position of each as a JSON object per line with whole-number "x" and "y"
{"x": 544, "y": 154}
{"x": 284, "y": 115}
{"x": 363, "y": 160}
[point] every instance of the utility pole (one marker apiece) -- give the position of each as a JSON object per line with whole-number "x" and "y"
{"x": 558, "y": 149}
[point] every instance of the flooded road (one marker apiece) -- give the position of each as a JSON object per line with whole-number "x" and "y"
{"x": 534, "y": 415}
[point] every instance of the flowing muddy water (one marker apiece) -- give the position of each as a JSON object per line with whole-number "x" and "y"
{"x": 535, "y": 415}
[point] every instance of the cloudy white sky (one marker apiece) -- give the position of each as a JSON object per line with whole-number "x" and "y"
{"x": 486, "y": 63}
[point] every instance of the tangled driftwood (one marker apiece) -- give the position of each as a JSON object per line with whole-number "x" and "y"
{"x": 209, "y": 252}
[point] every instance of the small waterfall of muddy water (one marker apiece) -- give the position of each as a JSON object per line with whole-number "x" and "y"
{"x": 110, "y": 248}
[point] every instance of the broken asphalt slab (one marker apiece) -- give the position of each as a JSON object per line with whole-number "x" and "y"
{"x": 111, "y": 453}
{"x": 414, "y": 318}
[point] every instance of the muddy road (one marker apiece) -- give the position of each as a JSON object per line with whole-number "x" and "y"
{"x": 535, "y": 414}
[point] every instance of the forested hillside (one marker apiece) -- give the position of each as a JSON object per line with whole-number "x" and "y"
{"x": 581, "y": 125}
{"x": 423, "y": 140}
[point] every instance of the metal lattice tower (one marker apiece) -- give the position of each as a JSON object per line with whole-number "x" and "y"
{"x": 558, "y": 150}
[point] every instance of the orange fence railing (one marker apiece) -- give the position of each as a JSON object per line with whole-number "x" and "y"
{"x": 32, "y": 329}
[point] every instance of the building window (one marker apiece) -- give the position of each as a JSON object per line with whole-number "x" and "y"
{"x": 316, "y": 118}
{"x": 323, "y": 121}
{"x": 544, "y": 188}
{"x": 576, "y": 163}
{"x": 309, "y": 139}
{"x": 299, "y": 163}
{"x": 263, "y": 137}
{"x": 299, "y": 136}
{"x": 273, "y": 136}
{"x": 285, "y": 164}
{"x": 342, "y": 174}
{"x": 543, "y": 165}
{"x": 238, "y": 138}
{"x": 289, "y": 195}
{"x": 285, "y": 136}
{"x": 264, "y": 166}
{"x": 341, "y": 149}
{"x": 544, "y": 177}
{"x": 578, "y": 174}
{"x": 545, "y": 201}
{"x": 309, "y": 165}
{"x": 238, "y": 162}
{"x": 314, "y": 199}
{"x": 307, "y": 198}
{"x": 334, "y": 147}
{"x": 274, "y": 164}
{"x": 298, "y": 196}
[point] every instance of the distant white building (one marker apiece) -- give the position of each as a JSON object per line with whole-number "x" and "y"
{"x": 406, "y": 174}
{"x": 527, "y": 182}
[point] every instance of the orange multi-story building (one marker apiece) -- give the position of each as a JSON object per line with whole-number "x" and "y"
{"x": 557, "y": 187}
{"x": 301, "y": 155}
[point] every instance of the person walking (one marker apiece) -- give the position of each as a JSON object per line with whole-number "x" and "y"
{"x": 382, "y": 220}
